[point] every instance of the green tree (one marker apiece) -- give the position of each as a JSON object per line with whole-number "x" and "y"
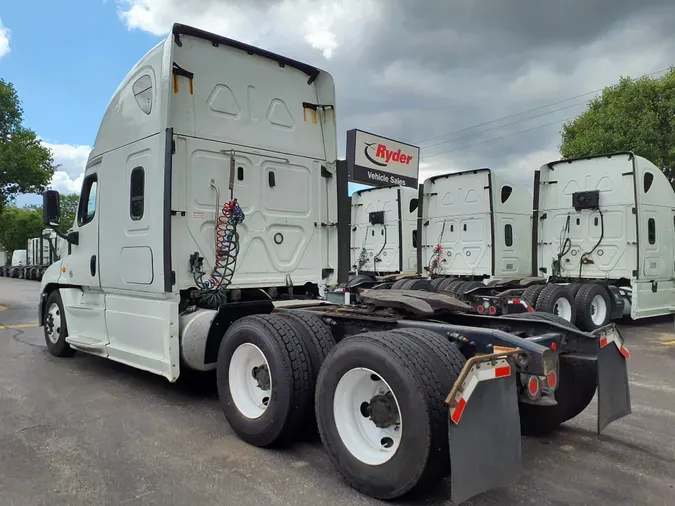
{"x": 634, "y": 115}
{"x": 26, "y": 166}
{"x": 17, "y": 225}
{"x": 68, "y": 211}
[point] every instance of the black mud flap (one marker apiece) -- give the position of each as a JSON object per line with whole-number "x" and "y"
{"x": 613, "y": 389}
{"x": 483, "y": 429}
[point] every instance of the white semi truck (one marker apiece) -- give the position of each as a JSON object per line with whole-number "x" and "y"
{"x": 602, "y": 245}
{"x": 476, "y": 225}
{"x": 207, "y": 231}
{"x": 384, "y": 231}
{"x": 40, "y": 253}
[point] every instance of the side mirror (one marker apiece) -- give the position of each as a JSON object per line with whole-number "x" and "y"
{"x": 51, "y": 208}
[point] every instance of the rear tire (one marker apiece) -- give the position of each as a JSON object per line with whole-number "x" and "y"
{"x": 56, "y": 327}
{"x": 557, "y": 300}
{"x": 358, "y": 280}
{"x": 446, "y": 283}
{"x": 578, "y": 382}
{"x": 265, "y": 379}
{"x": 435, "y": 284}
{"x": 398, "y": 285}
{"x": 453, "y": 285}
{"x": 318, "y": 340}
{"x": 407, "y": 369}
{"x": 593, "y": 306}
{"x": 470, "y": 285}
{"x": 531, "y": 294}
{"x": 574, "y": 288}
{"x": 416, "y": 284}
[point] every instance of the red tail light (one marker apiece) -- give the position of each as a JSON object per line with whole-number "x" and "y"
{"x": 533, "y": 387}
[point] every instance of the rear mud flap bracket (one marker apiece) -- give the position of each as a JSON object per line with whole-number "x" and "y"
{"x": 484, "y": 437}
{"x": 613, "y": 389}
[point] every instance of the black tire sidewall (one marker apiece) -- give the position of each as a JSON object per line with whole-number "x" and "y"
{"x": 409, "y": 462}
{"x": 583, "y": 300}
{"x": 551, "y": 293}
{"x": 61, "y": 347}
{"x": 435, "y": 284}
{"x": 266, "y": 429}
{"x": 532, "y": 293}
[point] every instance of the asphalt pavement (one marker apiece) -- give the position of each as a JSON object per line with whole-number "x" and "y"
{"x": 87, "y": 431}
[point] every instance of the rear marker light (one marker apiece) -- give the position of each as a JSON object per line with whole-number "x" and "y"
{"x": 552, "y": 380}
{"x": 554, "y": 346}
{"x": 492, "y": 310}
{"x": 480, "y": 309}
{"x": 533, "y": 386}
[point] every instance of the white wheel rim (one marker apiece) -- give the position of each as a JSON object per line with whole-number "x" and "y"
{"x": 366, "y": 441}
{"x": 251, "y": 391}
{"x": 54, "y": 323}
{"x": 563, "y": 308}
{"x": 598, "y": 310}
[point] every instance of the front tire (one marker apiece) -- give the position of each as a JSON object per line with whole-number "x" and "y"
{"x": 264, "y": 379}
{"x": 380, "y": 412}
{"x": 55, "y": 327}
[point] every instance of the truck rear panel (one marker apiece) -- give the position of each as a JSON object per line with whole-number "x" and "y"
{"x": 387, "y": 247}
{"x": 568, "y": 234}
{"x": 458, "y": 215}
{"x": 265, "y": 126}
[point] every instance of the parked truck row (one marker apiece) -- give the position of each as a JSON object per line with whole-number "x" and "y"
{"x": 596, "y": 242}
{"x": 207, "y": 238}
{"x": 40, "y": 253}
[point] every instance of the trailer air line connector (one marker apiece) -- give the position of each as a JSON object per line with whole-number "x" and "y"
{"x": 213, "y": 292}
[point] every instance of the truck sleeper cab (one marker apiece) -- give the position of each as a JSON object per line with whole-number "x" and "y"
{"x": 476, "y": 225}
{"x": 209, "y": 192}
{"x": 608, "y": 220}
{"x": 384, "y": 231}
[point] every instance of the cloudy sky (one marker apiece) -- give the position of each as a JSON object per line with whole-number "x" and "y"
{"x": 422, "y": 71}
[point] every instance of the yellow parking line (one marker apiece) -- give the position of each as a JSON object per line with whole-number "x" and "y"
{"x": 18, "y": 326}
{"x": 669, "y": 343}
{"x": 3, "y": 308}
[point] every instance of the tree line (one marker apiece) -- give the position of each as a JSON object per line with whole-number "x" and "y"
{"x": 634, "y": 115}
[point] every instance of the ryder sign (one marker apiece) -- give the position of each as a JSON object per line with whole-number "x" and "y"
{"x": 379, "y": 161}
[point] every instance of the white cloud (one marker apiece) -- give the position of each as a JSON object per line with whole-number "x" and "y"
{"x": 324, "y": 25}
{"x": 72, "y": 161}
{"x": 5, "y": 35}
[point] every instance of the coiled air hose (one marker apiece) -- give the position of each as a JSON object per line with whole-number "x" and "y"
{"x": 213, "y": 292}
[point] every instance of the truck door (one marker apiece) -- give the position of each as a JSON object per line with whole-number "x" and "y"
{"x": 82, "y": 265}
{"x": 84, "y": 304}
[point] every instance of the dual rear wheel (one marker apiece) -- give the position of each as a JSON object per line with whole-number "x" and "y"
{"x": 585, "y": 304}
{"x": 377, "y": 398}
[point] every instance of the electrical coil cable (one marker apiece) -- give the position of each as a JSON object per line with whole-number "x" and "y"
{"x": 363, "y": 255}
{"x": 376, "y": 258}
{"x": 437, "y": 254}
{"x": 213, "y": 292}
{"x": 588, "y": 253}
{"x": 436, "y": 260}
{"x": 565, "y": 247}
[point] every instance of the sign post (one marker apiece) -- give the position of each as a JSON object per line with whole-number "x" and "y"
{"x": 378, "y": 161}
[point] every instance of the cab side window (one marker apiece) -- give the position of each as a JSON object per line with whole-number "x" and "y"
{"x": 87, "y": 207}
